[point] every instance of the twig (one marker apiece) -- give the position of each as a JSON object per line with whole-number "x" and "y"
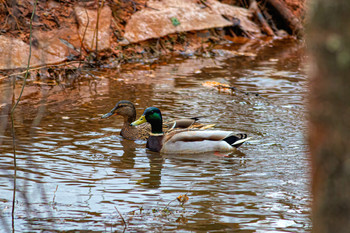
{"x": 10, "y": 13}
{"x": 12, "y": 121}
{"x": 97, "y": 24}
{"x": 116, "y": 24}
{"x": 287, "y": 15}
{"x": 205, "y": 4}
{"x": 54, "y": 195}
{"x": 166, "y": 207}
{"x": 134, "y": 6}
{"x": 46, "y": 66}
{"x": 124, "y": 222}
{"x": 265, "y": 26}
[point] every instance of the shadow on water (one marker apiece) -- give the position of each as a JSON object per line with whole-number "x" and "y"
{"x": 75, "y": 171}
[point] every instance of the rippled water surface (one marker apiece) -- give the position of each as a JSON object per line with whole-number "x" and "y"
{"x": 76, "y": 173}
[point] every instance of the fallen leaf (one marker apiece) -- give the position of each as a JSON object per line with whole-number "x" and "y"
{"x": 182, "y": 199}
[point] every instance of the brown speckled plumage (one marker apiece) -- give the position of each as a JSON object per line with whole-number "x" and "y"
{"x": 140, "y": 132}
{"x": 127, "y": 110}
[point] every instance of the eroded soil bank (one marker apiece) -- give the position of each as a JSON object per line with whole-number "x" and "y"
{"x": 111, "y": 33}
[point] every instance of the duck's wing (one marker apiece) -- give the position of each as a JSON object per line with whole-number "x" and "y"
{"x": 182, "y": 123}
{"x": 197, "y": 141}
{"x": 186, "y": 123}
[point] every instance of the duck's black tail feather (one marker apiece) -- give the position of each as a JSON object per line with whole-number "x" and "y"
{"x": 236, "y": 140}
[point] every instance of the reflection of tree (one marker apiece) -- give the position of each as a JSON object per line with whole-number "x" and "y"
{"x": 329, "y": 115}
{"x": 5, "y": 99}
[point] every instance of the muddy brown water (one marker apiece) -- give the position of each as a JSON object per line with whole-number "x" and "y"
{"x": 75, "y": 172}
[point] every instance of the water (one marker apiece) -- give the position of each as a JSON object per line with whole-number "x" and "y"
{"x": 76, "y": 173}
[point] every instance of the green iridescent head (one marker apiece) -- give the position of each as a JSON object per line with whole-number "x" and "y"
{"x": 153, "y": 116}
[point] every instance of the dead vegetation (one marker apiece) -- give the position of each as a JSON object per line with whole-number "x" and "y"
{"x": 276, "y": 18}
{"x": 53, "y": 22}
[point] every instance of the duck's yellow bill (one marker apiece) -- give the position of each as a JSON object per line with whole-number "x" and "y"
{"x": 140, "y": 121}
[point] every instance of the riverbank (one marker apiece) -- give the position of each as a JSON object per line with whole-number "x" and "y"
{"x": 112, "y": 33}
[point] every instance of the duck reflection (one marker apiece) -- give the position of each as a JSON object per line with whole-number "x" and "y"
{"x": 127, "y": 160}
{"x": 151, "y": 180}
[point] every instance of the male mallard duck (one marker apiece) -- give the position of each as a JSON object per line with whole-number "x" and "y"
{"x": 127, "y": 110}
{"x": 187, "y": 141}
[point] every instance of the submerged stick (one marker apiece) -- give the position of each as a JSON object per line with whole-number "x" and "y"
{"x": 12, "y": 121}
{"x": 124, "y": 222}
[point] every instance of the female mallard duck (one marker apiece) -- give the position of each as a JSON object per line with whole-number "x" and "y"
{"x": 187, "y": 141}
{"x": 127, "y": 110}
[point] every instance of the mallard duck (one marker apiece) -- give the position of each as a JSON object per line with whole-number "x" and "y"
{"x": 127, "y": 110}
{"x": 187, "y": 141}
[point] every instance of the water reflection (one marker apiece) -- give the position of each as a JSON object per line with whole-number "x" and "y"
{"x": 76, "y": 169}
{"x": 153, "y": 178}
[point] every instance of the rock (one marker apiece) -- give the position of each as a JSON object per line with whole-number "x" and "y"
{"x": 14, "y": 54}
{"x": 55, "y": 46}
{"x": 87, "y": 20}
{"x": 49, "y": 47}
{"x": 165, "y": 17}
{"x": 60, "y": 42}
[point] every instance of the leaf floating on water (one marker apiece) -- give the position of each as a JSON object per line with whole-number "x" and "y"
{"x": 222, "y": 87}
{"x": 182, "y": 199}
{"x": 214, "y": 84}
